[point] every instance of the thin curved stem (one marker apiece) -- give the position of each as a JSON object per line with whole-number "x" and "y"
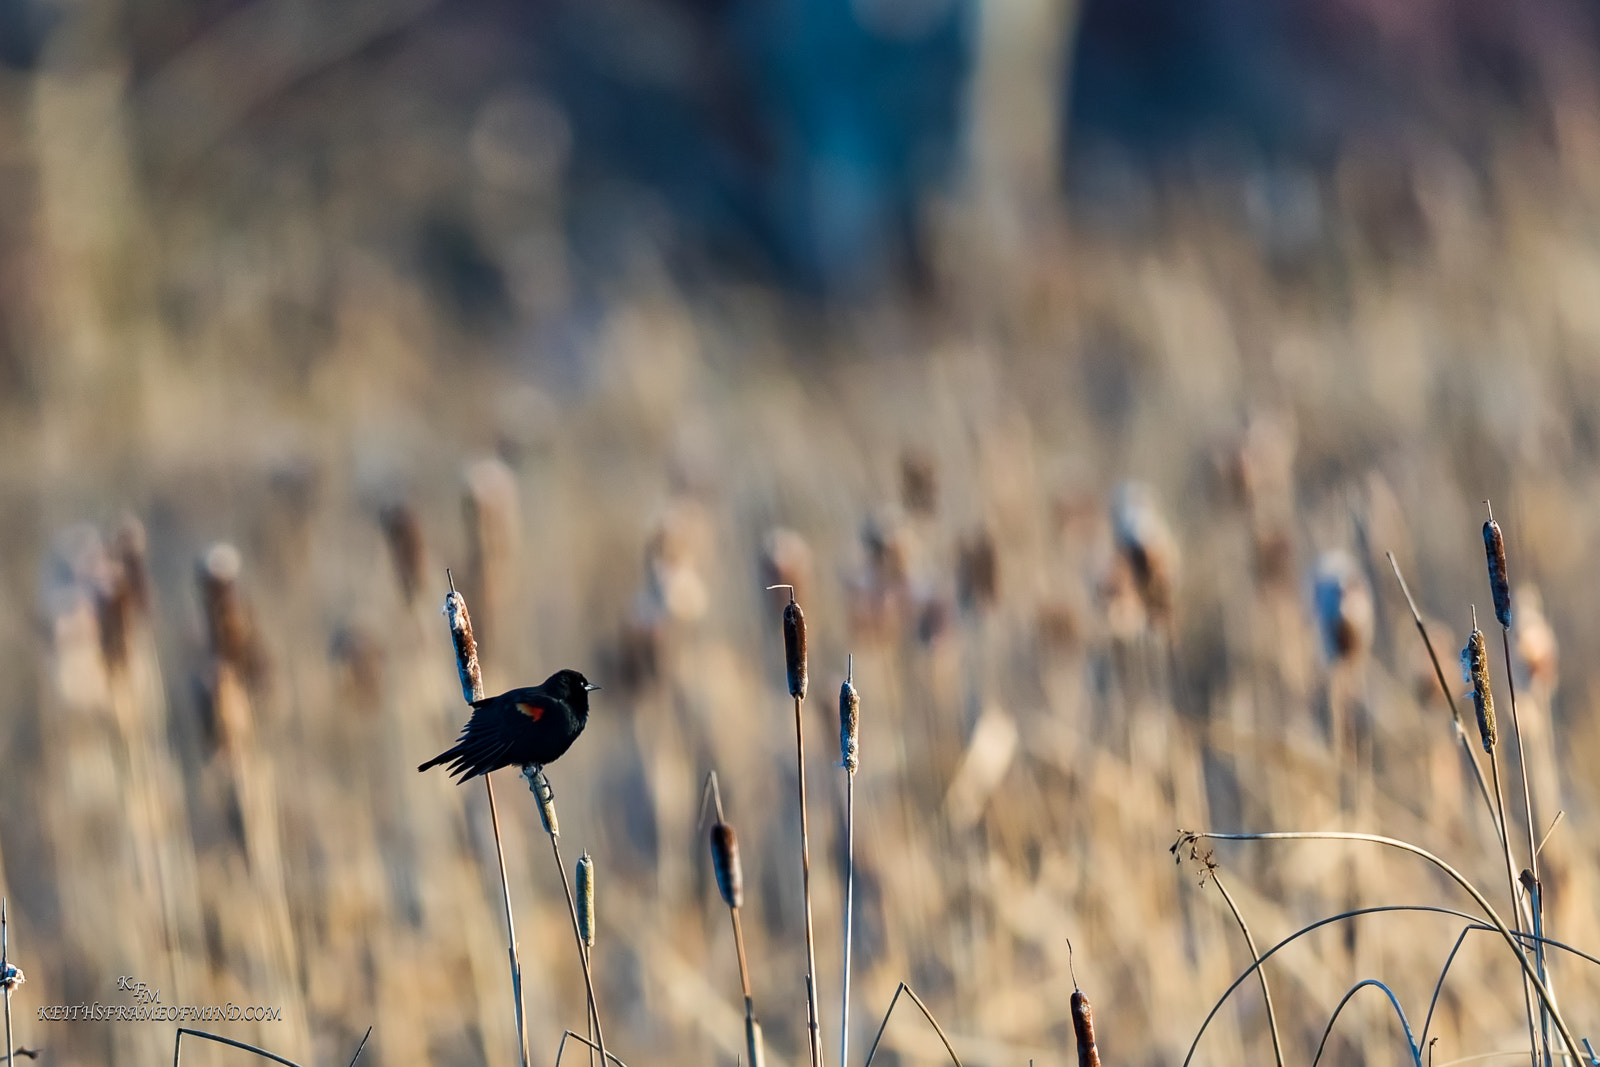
{"x": 1438, "y": 986}
{"x": 583, "y": 954}
{"x": 582, "y": 1041}
{"x": 1430, "y": 909}
{"x": 1511, "y": 882}
{"x": 1454, "y": 875}
{"x": 903, "y": 988}
{"x": 1450, "y": 698}
{"x": 1250, "y": 942}
{"x": 1416, "y": 1056}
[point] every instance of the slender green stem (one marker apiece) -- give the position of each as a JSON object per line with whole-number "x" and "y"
{"x": 1250, "y": 942}
{"x": 1456, "y": 876}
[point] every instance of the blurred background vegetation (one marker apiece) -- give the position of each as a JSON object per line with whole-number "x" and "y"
{"x": 625, "y": 308}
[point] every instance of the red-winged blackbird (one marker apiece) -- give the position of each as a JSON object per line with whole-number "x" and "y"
{"x": 534, "y": 724}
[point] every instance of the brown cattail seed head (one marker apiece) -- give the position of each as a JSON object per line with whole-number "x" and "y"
{"x": 849, "y": 726}
{"x": 455, "y": 610}
{"x": 978, "y": 572}
{"x": 1344, "y": 606}
{"x": 794, "y": 648}
{"x": 586, "y": 921}
{"x": 546, "y": 797}
{"x": 403, "y": 532}
{"x": 1494, "y": 546}
{"x": 725, "y": 862}
{"x": 1083, "y": 1027}
{"x": 1475, "y": 665}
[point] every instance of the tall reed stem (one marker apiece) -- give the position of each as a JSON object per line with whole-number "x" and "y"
{"x": 540, "y": 785}
{"x": 805, "y": 884}
{"x": 850, "y": 759}
{"x": 471, "y": 674}
{"x": 794, "y": 650}
{"x": 5, "y": 975}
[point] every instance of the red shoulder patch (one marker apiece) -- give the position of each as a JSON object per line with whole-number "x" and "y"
{"x": 532, "y": 711}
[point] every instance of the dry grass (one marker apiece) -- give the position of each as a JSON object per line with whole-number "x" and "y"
{"x": 1065, "y": 518}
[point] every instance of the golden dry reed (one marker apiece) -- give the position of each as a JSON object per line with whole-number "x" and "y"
{"x": 1475, "y": 665}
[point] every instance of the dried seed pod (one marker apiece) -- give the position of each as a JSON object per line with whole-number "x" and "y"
{"x": 725, "y": 862}
{"x": 1494, "y": 546}
{"x": 755, "y": 1047}
{"x": 1475, "y": 666}
{"x": 1083, "y": 1027}
{"x": 539, "y": 785}
{"x": 794, "y": 648}
{"x": 229, "y": 624}
{"x": 919, "y": 483}
{"x": 403, "y": 532}
{"x": 849, "y": 725}
{"x": 978, "y": 572}
{"x": 1344, "y": 605}
{"x": 455, "y": 610}
{"x": 586, "y": 920}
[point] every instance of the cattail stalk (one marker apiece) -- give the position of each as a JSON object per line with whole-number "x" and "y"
{"x": 1255, "y": 956}
{"x": 1475, "y": 660}
{"x": 850, "y": 758}
{"x": 540, "y": 786}
{"x": 6, "y": 979}
{"x": 471, "y": 674}
{"x": 794, "y": 656}
{"x": 586, "y": 923}
{"x": 1450, "y": 699}
{"x": 1494, "y": 546}
{"x": 730, "y": 884}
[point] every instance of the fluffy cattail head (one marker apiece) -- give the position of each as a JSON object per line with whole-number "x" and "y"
{"x": 546, "y": 798}
{"x": 849, "y": 725}
{"x": 1494, "y": 546}
{"x": 1475, "y": 666}
{"x": 586, "y": 921}
{"x": 455, "y": 610}
{"x": 794, "y": 647}
{"x": 1083, "y": 1027}
{"x": 725, "y": 862}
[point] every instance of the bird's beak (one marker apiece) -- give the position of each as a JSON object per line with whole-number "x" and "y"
{"x": 589, "y": 687}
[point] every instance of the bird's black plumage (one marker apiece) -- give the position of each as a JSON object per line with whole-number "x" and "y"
{"x": 534, "y": 724}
